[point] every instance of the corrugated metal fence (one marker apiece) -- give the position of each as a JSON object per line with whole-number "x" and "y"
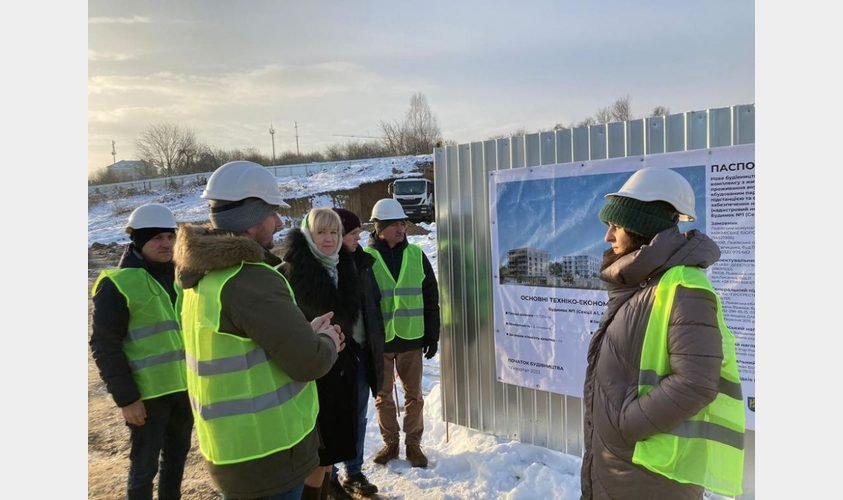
{"x": 471, "y": 395}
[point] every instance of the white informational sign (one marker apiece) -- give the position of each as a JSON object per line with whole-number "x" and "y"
{"x": 547, "y": 247}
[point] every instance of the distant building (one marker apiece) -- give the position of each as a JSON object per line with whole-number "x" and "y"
{"x": 128, "y": 170}
{"x": 528, "y": 265}
{"x": 580, "y": 266}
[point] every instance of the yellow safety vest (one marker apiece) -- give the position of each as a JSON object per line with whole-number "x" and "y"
{"x": 153, "y": 345}
{"x": 245, "y": 407}
{"x": 707, "y": 449}
{"x": 402, "y": 302}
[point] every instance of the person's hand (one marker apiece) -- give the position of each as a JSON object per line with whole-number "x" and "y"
{"x": 340, "y": 338}
{"x": 336, "y": 334}
{"x": 430, "y": 349}
{"x": 135, "y": 413}
{"x": 319, "y": 322}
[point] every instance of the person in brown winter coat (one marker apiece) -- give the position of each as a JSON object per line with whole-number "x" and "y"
{"x": 660, "y": 361}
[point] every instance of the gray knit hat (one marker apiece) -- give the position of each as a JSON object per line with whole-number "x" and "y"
{"x": 238, "y": 216}
{"x": 646, "y": 218}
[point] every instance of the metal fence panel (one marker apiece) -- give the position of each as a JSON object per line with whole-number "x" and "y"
{"x": 517, "y": 151}
{"x": 697, "y": 129}
{"x": 532, "y": 149}
{"x": 744, "y": 124}
{"x": 494, "y": 422}
{"x": 548, "y": 148}
{"x": 597, "y": 141}
{"x": 444, "y": 161}
{"x": 635, "y": 137}
{"x": 564, "y": 146}
{"x": 655, "y": 135}
{"x": 468, "y": 271}
{"x": 581, "y": 148}
{"x": 675, "y": 132}
{"x": 617, "y": 139}
{"x": 720, "y": 127}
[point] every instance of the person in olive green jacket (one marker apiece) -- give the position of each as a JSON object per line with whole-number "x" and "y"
{"x": 252, "y": 355}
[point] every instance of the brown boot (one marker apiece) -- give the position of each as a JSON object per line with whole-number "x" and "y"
{"x": 415, "y": 456}
{"x": 387, "y": 453}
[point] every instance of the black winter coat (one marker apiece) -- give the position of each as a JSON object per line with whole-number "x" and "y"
{"x": 110, "y": 325}
{"x": 315, "y": 295}
{"x": 370, "y": 301}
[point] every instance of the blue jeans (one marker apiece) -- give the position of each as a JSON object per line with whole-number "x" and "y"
{"x": 293, "y": 494}
{"x": 166, "y": 434}
{"x": 355, "y": 465}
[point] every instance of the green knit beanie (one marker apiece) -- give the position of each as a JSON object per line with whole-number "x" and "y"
{"x": 646, "y": 218}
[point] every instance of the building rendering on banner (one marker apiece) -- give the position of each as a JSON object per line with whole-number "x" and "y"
{"x": 528, "y": 265}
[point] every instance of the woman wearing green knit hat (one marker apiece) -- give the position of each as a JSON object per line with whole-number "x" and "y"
{"x": 662, "y": 398}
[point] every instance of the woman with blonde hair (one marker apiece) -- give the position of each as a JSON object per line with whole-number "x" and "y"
{"x": 322, "y": 281}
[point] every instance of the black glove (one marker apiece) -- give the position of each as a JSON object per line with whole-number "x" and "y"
{"x": 430, "y": 349}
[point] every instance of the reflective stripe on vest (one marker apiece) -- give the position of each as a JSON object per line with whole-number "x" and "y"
{"x": 402, "y": 302}
{"x": 244, "y": 406}
{"x": 153, "y": 345}
{"x": 707, "y": 449}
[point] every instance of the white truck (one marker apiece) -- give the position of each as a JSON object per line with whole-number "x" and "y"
{"x": 415, "y": 196}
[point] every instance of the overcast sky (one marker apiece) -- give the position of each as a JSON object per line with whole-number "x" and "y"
{"x": 227, "y": 69}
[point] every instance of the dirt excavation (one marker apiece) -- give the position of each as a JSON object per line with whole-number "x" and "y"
{"x": 108, "y": 436}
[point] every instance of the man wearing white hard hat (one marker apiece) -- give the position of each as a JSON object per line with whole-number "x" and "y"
{"x": 137, "y": 345}
{"x": 410, "y": 307}
{"x": 663, "y": 409}
{"x": 252, "y": 355}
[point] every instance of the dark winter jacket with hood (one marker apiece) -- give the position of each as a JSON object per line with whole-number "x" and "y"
{"x": 316, "y": 294}
{"x": 257, "y": 304}
{"x": 393, "y": 257}
{"x": 615, "y": 417}
{"x": 110, "y": 325}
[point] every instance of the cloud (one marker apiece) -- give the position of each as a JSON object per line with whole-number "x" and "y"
{"x": 233, "y": 108}
{"x": 120, "y": 20}
{"x": 108, "y": 56}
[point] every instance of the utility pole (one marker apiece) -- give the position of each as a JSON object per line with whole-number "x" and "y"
{"x": 297, "y": 138}
{"x": 272, "y": 133}
{"x": 113, "y": 152}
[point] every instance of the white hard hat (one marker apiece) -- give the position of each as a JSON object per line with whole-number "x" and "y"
{"x": 151, "y": 215}
{"x": 238, "y": 180}
{"x": 661, "y": 184}
{"x": 388, "y": 209}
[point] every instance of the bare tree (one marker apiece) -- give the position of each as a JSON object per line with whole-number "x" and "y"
{"x": 622, "y": 109}
{"x": 515, "y": 133}
{"x": 603, "y": 115}
{"x": 168, "y": 147}
{"x": 417, "y": 134}
{"x": 102, "y": 176}
{"x": 585, "y": 123}
{"x": 660, "y": 111}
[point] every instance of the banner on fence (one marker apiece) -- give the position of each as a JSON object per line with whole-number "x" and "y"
{"x": 547, "y": 246}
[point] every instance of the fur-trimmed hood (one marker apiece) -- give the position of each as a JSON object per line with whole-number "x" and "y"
{"x": 201, "y": 249}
